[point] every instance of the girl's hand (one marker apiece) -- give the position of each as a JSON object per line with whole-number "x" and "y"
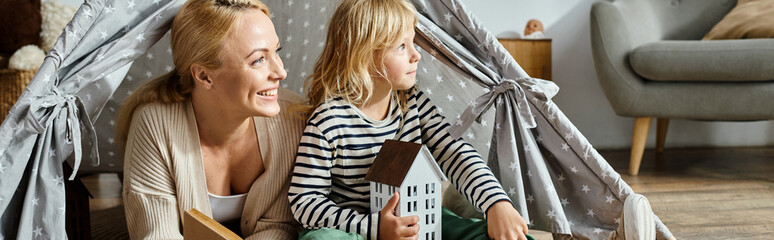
{"x": 394, "y": 227}
{"x": 504, "y": 222}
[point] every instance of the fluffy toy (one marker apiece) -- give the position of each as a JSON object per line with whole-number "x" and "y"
{"x": 27, "y": 58}
{"x": 55, "y": 17}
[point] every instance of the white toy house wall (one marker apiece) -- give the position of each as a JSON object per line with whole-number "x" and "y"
{"x": 420, "y": 195}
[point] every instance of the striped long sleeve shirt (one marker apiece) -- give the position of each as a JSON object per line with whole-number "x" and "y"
{"x": 339, "y": 144}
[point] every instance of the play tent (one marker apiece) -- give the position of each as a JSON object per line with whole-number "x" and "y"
{"x": 557, "y": 180}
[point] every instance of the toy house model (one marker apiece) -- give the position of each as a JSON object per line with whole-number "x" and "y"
{"x": 411, "y": 170}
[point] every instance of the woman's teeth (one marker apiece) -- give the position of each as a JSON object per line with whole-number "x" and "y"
{"x": 268, "y": 93}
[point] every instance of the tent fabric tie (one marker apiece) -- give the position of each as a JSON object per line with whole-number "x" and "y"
{"x": 39, "y": 117}
{"x": 476, "y": 109}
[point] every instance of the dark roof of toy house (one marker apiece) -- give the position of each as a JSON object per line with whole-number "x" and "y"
{"x": 393, "y": 162}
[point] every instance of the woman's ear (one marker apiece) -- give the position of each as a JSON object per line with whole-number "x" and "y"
{"x": 200, "y": 76}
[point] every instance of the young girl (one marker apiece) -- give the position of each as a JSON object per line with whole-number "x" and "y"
{"x": 362, "y": 93}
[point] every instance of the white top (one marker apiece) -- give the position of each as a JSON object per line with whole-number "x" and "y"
{"x": 227, "y": 208}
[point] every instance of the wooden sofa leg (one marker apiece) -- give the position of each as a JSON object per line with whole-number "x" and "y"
{"x": 639, "y": 138}
{"x": 662, "y": 124}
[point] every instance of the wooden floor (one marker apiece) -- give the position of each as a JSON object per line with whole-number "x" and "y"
{"x": 719, "y": 193}
{"x": 707, "y": 193}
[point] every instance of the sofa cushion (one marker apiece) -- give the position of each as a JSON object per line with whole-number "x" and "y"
{"x": 722, "y": 60}
{"x": 749, "y": 19}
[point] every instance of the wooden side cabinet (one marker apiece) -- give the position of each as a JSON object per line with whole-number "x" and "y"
{"x": 534, "y": 55}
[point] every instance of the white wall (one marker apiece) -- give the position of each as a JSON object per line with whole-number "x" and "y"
{"x": 581, "y": 98}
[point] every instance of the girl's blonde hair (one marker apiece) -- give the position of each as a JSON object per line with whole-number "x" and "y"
{"x": 198, "y": 32}
{"x": 356, "y": 31}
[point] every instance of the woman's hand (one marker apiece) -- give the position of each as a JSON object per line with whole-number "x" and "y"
{"x": 504, "y": 222}
{"x": 394, "y": 227}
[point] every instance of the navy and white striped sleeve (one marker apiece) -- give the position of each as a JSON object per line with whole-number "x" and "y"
{"x": 311, "y": 184}
{"x": 458, "y": 159}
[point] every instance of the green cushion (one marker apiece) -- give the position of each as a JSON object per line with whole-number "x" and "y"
{"x": 703, "y": 61}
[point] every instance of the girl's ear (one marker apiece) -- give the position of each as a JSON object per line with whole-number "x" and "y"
{"x": 200, "y": 76}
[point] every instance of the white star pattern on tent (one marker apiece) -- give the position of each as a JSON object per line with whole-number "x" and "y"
{"x": 609, "y": 199}
{"x": 551, "y": 214}
{"x": 58, "y": 180}
{"x": 38, "y": 231}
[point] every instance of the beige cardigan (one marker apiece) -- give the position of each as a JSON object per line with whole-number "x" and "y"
{"x": 164, "y": 175}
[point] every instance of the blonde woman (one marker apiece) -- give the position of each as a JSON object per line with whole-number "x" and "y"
{"x": 213, "y": 134}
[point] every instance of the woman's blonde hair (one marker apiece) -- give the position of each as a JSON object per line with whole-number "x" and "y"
{"x": 356, "y": 31}
{"x": 197, "y": 36}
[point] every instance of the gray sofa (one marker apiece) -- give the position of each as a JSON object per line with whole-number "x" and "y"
{"x": 651, "y": 63}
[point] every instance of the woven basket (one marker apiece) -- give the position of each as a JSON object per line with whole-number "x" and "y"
{"x": 12, "y": 84}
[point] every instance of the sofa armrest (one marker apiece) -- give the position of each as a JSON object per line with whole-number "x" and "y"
{"x": 611, "y": 43}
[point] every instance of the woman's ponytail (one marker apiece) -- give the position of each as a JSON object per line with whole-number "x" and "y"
{"x": 167, "y": 88}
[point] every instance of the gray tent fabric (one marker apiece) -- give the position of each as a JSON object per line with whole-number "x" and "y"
{"x": 556, "y": 179}
{"x": 44, "y": 128}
